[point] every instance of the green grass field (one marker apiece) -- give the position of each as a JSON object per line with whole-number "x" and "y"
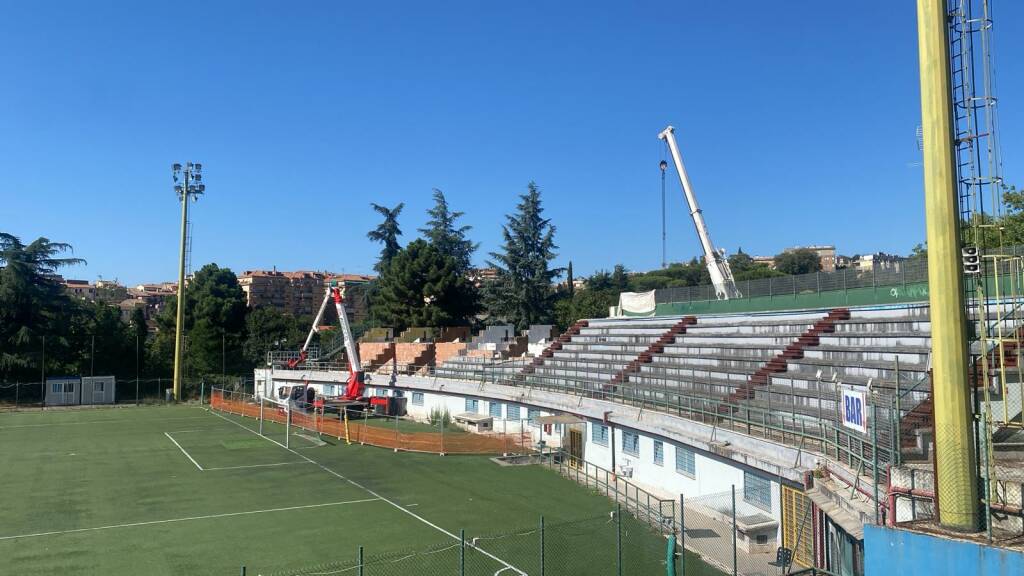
{"x": 180, "y": 490}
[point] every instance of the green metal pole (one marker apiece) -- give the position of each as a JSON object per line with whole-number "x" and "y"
{"x": 360, "y": 561}
{"x": 898, "y": 456}
{"x": 874, "y": 453}
{"x": 618, "y": 539}
{"x": 734, "y": 551}
{"x": 462, "y": 552}
{"x": 541, "y": 546}
{"x": 682, "y": 535}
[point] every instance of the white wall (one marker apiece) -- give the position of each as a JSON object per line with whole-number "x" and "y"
{"x": 457, "y": 405}
{"x": 712, "y": 475}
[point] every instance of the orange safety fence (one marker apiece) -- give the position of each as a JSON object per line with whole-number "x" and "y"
{"x": 435, "y": 442}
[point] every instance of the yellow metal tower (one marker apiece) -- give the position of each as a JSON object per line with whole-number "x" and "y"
{"x": 955, "y": 455}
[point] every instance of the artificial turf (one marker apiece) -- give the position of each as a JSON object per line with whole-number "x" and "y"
{"x": 180, "y": 490}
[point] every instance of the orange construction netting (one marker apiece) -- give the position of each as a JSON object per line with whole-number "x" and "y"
{"x": 374, "y": 435}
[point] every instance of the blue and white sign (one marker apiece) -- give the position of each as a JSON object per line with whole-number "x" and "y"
{"x": 854, "y": 410}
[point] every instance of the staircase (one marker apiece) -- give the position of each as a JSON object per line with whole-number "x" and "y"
{"x": 795, "y": 350}
{"x": 556, "y": 345}
{"x": 669, "y": 337}
{"x": 383, "y": 357}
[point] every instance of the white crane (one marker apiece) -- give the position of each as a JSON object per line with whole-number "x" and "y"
{"x": 718, "y": 265}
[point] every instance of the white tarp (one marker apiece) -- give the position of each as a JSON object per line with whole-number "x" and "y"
{"x": 636, "y": 303}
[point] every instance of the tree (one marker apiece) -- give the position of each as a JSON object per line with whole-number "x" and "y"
{"x": 214, "y": 324}
{"x": 570, "y": 282}
{"x": 449, "y": 239}
{"x": 268, "y": 328}
{"x": 423, "y": 287}
{"x": 745, "y": 268}
{"x": 32, "y": 301}
{"x": 386, "y": 233}
{"x": 799, "y": 261}
{"x": 523, "y": 294}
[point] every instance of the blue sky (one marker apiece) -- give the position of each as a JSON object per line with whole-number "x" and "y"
{"x": 796, "y": 123}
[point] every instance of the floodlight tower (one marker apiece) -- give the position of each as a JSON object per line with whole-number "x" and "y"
{"x": 187, "y": 183}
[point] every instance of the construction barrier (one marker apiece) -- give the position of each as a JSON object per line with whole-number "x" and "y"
{"x": 357, "y": 430}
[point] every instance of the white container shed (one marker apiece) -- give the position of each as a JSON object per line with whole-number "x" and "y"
{"x": 63, "y": 390}
{"x": 98, "y": 389}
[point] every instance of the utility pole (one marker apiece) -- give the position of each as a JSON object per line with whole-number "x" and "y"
{"x": 187, "y": 183}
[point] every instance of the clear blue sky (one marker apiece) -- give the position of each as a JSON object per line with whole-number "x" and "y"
{"x": 796, "y": 121}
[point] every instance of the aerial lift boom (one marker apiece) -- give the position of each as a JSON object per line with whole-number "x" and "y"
{"x": 356, "y": 378}
{"x": 718, "y": 266}
{"x": 304, "y": 353}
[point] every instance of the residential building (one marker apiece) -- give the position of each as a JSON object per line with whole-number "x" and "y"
{"x": 826, "y": 255}
{"x": 300, "y": 293}
{"x": 877, "y": 262}
{"x": 80, "y": 289}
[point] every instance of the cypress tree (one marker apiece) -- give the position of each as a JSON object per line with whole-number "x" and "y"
{"x": 523, "y": 293}
{"x": 449, "y": 239}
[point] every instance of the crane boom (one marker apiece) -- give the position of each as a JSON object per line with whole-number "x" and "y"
{"x": 304, "y": 353}
{"x": 718, "y": 266}
{"x": 356, "y": 378}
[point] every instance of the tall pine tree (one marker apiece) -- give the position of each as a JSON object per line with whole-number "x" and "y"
{"x": 523, "y": 293}
{"x": 449, "y": 239}
{"x": 422, "y": 287}
{"x": 386, "y": 233}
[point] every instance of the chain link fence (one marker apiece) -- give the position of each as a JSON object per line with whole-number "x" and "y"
{"x": 613, "y": 544}
{"x": 901, "y": 273}
{"x": 154, "y": 390}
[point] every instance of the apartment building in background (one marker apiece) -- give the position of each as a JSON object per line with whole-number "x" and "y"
{"x": 300, "y": 293}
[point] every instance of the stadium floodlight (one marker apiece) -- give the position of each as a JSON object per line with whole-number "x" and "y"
{"x": 187, "y": 184}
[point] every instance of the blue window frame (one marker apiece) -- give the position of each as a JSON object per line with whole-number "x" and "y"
{"x": 494, "y": 409}
{"x": 685, "y": 461}
{"x": 512, "y": 412}
{"x": 659, "y": 452}
{"x": 472, "y": 405}
{"x": 631, "y": 443}
{"x": 417, "y": 398}
{"x": 599, "y": 434}
{"x": 757, "y": 491}
{"x": 533, "y": 414}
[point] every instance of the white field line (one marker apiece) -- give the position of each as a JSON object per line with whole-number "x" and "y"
{"x": 255, "y": 466}
{"x": 376, "y": 495}
{"x": 186, "y": 519}
{"x": 98, "y": 422}
{"x": 187, "y": 455}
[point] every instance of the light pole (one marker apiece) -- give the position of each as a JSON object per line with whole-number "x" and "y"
{"x": 187, "y": 183}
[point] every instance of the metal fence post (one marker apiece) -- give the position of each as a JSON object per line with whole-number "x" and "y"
{"x": 618, "y": 539}
{"x": 682, "y": 535}
{"x": 734, "y": 552}
{"x": 242, "y": 572}
{"x": 462, "y": 552}
{"x": 360, "y": 561}
{"x": 542, "y": 546}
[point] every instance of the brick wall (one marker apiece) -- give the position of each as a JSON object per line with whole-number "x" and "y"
{"x": 414, "y": 353}
{"x": 445, "y": 350}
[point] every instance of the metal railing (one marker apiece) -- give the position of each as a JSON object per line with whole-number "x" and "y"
{"x": 901, "y": 273}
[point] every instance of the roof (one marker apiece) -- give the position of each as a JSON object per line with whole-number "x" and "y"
{"x": 560, "y": 419}
{"x": 473, "y": 417}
